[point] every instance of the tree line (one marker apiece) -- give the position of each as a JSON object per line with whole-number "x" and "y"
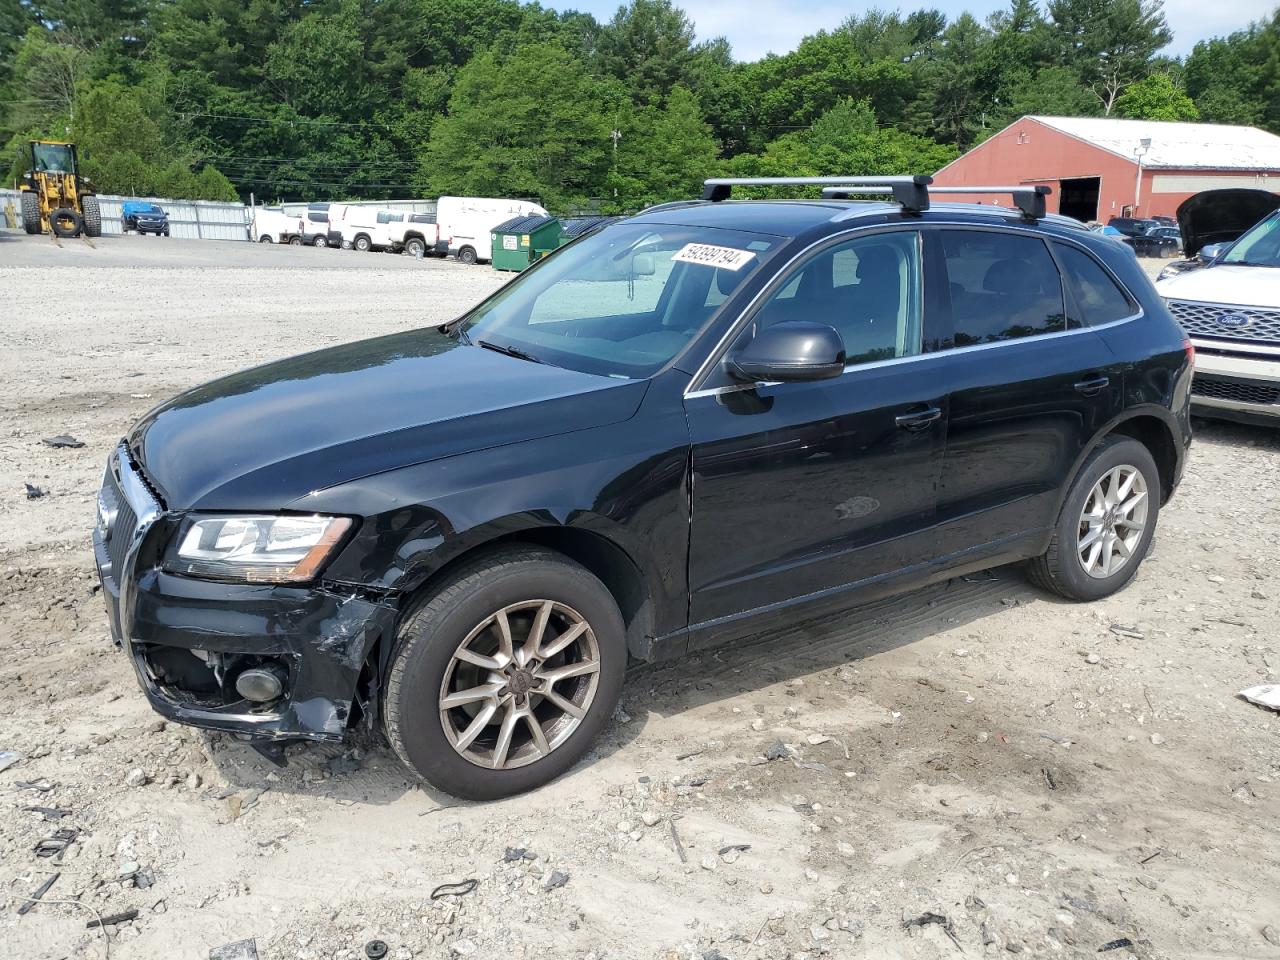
{"x": 366, "y": 99}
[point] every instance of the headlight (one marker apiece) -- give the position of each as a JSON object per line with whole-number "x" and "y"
{"x": 256, "y": 549}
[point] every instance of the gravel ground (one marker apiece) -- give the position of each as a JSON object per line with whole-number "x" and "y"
{"x": 976, "y": 767}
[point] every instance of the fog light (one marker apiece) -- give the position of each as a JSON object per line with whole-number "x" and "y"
{"x": 260, "y": 684}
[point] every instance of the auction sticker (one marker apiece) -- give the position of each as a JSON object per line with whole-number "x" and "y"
{"x": 712, "y": 256}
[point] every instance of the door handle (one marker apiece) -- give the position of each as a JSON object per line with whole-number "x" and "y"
{"x": 917, "y": 419}
{"x": 1093, "y": 387}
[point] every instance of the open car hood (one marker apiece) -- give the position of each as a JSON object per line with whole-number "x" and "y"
{"x": 1220, "y": 216}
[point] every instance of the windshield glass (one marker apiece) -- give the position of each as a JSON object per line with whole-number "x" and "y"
{"x": 1259, "y": 247}
{"x": 621, "y": 302}
{"x": 53, "y": 158}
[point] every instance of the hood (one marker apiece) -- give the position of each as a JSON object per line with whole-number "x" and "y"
{"x": 1222, "y": 283}
{"x": 258, "y": 439}
{"x": 1220, "y": 216}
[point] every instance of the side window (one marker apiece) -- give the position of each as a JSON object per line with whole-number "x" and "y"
{"x": 317, "y": 216}
{"x": 868, "y": 289}
{"x": 1097, "y": 297}
{"x": 1003, "y": 286}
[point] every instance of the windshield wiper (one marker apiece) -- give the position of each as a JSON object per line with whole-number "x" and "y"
{"x": 508, "y": 350}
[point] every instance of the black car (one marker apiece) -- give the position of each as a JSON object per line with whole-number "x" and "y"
{"x": 682, "y": 428}
{"x": 1147, "y": 237}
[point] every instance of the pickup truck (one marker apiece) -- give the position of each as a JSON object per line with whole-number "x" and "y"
{"x": 415, "y": 235}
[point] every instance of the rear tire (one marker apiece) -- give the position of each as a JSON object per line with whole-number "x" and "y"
{"x": 468, "y": 256}
{"x": 1115, "y": 500}
{"x": 532, "y": 737}
{"x": 265, "y": 239}
{"x": 92, "y": 216}
{"x": 319, "y": 242}
{"x": 363, "y": 244}
{"x": 295, "y": 241}
{"x": 65, "y": 222}
{"x": 30, "y": 212}
{"x": 414, "y": 247}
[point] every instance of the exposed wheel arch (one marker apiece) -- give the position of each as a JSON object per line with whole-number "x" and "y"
{"x": 604, "y": 558}
{"x": 1156, "y": 435}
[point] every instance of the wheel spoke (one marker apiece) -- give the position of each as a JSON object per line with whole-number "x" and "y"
{"x": 503, "y": 626}
{"x": 562, "y": 641}
{"x": 486, "y": 691}
{"x": 539, "y": 738}
{"x": 536, "y": 632}
{"x": 1123, "y": 547}
{"x": 565, "y": 704}
{"x": 480, "y": 721}
{"x": 1129, "y": 505}
{"x": 1126, "y": 485}
{"x": 577, "y": 669}
{"x": 503, "y": 746}
{"x": 1095, "y": 531}
{"x": 1107, "y": 547}
{"x": 466, "y": 655}
{"x": 1091, "y": 563}
{"x": 1133, "y": 525}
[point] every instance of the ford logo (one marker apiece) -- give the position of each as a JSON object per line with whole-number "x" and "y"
{"x": 1233, "y": 320}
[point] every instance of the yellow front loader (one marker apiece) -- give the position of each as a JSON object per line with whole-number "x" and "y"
{"x": 55, "y": 198}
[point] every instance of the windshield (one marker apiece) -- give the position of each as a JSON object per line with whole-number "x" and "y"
{"x": 621, "y": 302}
{"x": 1259, "y": 247}
{"x": 53, "y": 158}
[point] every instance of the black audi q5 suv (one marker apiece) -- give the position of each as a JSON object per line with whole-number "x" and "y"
{"x": 684, "y": 427}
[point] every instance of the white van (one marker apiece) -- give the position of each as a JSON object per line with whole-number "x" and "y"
{"x": 369, "y": 228}
{"x": 466, "y": 223}
{"x": 273, "y": 225}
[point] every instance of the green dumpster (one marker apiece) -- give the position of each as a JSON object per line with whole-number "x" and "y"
{"x": 521, "y": 240}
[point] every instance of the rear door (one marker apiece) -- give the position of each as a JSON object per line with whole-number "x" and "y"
{"x": 1031, "y": 384}
{"x": 802, "y": 489}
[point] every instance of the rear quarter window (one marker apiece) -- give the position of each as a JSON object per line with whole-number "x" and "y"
{"x": 1003, "y": 286}
{"x": 1095, "y": 297}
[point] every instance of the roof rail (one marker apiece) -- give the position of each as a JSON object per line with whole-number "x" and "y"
{"x": 1030, "y": 200}
{"x": 911, "y": 192}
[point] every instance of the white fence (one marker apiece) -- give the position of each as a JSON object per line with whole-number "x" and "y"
{"x": 192, "y": 219}
{"x": 203, "y": 219}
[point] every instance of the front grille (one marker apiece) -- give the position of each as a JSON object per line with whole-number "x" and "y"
{"x": 1204, "y": 319}
{"x": 1234, "y": 390}
{"x": 121, "y": 527}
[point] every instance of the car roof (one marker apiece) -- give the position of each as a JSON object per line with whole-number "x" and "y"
{"x": 791, "y": 218}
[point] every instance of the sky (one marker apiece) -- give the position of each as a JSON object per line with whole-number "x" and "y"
{"x": 757, "y": 27}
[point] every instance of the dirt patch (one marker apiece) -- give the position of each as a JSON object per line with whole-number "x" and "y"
{"x": 1046, "y": 778}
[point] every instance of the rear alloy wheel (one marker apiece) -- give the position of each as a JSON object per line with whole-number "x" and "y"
{"x": 1106, "y": 524}
{"x": 362, "y": 244}
{"x": 468, "y": 256}
{"x": 503, "y": 678}
{"x": 414, "y": 247}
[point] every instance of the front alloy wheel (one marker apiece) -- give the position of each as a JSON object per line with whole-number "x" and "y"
{"x": 504, "y": 674}
{"x": 520, "y": 684}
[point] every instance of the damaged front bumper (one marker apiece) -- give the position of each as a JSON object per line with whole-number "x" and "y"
{"x": 189, "y": 639}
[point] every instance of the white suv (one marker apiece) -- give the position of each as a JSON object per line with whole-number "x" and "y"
{"x": 1231, "y": 310}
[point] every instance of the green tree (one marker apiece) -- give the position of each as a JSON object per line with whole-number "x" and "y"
{"x": 1156, "y": 98}
{"x": 1110, "y": 42}
{"x": 528, "y": 124}
{"x": 648, "y": 45}
{"x": 665, "y": 152}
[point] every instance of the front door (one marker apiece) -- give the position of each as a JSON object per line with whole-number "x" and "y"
{"x": 801, "y": 489}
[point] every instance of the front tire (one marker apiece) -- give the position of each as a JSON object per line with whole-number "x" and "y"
{"x": 468, "y": 256}
{"x": 319, "y": 242}
{"x": 363, "y": 244}
{"x": 502, "y": 679}
{"x": 1106, "y": 524}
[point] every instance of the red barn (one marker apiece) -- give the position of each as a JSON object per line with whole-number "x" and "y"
{"x": 1101, "y": 168}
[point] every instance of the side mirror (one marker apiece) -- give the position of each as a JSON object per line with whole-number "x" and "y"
{"x": 797, "y": 350}
{"x": 1211, "y": 251}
